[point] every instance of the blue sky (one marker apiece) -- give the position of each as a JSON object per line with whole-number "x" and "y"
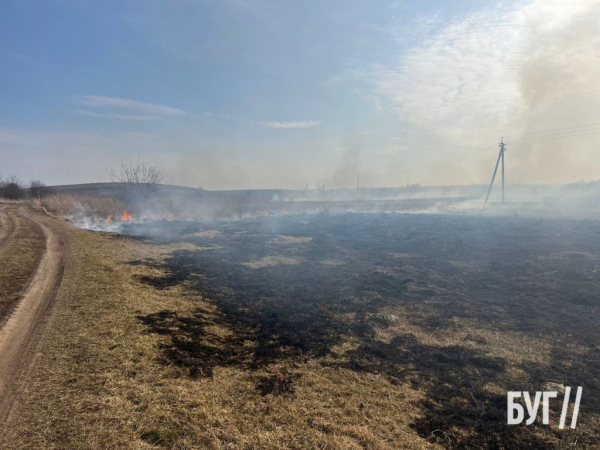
{"x": 280, "y": 94}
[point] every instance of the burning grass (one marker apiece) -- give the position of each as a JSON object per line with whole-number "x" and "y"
{"x": 92, "y": 207}
{"x": 409, "y": 339}
{"x": 463, "y": 309}
{"x": 104, "y": 377}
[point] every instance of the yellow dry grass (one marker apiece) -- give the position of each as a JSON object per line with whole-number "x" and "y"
{"x": 291, "y": 240}
{"x": 273, "y": 260}
{"x": 65, "y": 204}
{"x": 19, "y": 257}
{"x": 101, "y": 381}
{"x": 333, "y": 262}
{"x": 98, "y": 382}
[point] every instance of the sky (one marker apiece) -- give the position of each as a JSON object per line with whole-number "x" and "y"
{"x": 252, "y": 94}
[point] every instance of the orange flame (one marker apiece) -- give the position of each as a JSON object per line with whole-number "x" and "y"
{"x": 126, "y": 216}
{"x": 108, "y": 220}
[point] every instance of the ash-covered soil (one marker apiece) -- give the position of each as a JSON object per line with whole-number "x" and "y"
{"x": 463, "y": 308}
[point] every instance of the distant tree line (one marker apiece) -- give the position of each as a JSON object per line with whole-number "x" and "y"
{"x": 12, "y": 188}
{"x": 136, "y": 183}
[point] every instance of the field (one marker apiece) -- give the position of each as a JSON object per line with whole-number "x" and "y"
{"x": 319, "y": 331}
{"x": 462, "y": 309}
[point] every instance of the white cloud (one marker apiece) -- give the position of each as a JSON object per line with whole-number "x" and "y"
{"x": 468, "y": 76}
{"x": 303, "y": 124}
{"x": 116, "y": 106}
{"x": 458, "y": 76}
{"x": 114, "y": 116}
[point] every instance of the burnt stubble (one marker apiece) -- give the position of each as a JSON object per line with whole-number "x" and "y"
{"x": 292, "y": 288}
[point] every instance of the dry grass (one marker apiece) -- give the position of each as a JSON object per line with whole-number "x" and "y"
{"x": 99, "y": 383}
{"x": 19, "y": 258}
{"x": 105, "y": 379}
{"x": 291, "y": 240}
{"x": 206, "y": 234}
{"x": 67, "y": 204}
{"x": 333, "y": 262}
{"x": 274, "y": 260}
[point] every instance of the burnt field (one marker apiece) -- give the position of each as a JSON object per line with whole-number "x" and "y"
{"x": 460, "y": 308}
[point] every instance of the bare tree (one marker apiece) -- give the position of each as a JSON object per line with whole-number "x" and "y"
{"x": 12, "y": 188}
{"x": 138, "y": 181}
{"x": 37, "y": 189}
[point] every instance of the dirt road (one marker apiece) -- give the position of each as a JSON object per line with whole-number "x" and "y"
{"x": 20, "y": 332}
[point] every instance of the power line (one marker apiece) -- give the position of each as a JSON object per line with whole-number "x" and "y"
{"x": 556, "y": 130}
{"x": 487, "y": 147}
{"x": 554, "y": 137}
{"x": 472, "y": 152}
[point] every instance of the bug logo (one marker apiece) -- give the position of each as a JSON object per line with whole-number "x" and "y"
{"x": 516, "y": 411}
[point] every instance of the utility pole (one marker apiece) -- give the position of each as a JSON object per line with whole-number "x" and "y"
{"x": 502, "y": 145}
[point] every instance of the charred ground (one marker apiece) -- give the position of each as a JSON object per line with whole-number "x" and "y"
{"x": 462, "y": 308}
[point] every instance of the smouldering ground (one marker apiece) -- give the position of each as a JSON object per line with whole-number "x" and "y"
{"x": 319, "y": 331}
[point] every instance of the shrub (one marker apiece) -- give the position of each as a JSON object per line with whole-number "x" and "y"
{"x": 38, "y": 190}
{"x": 11, "y": 188}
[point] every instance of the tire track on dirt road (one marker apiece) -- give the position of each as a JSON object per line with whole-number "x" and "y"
{"x": 20, "y": 333}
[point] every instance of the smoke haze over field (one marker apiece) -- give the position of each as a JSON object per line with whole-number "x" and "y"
{"x": 526, "y": 70}
{"x": 265, "y": 95}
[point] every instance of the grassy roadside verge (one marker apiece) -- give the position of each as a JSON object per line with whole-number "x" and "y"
{"x": 19, "y": 259}
{"x": 99, "y": 381}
